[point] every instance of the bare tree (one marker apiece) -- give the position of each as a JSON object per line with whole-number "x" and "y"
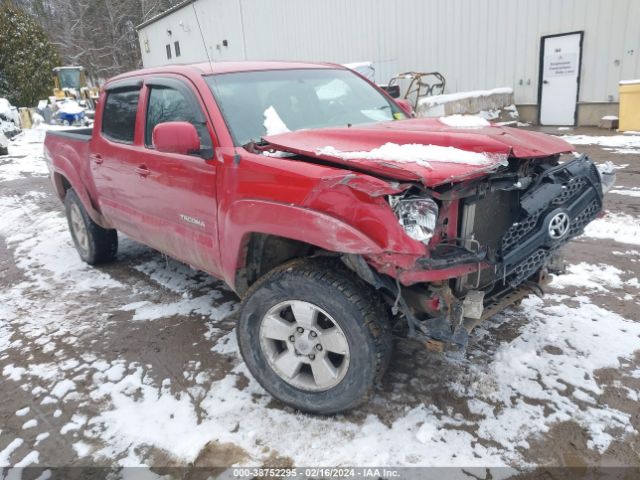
{"x": 97, "y": 34}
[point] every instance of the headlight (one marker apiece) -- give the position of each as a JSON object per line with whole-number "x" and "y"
{"x": 417, "y": 216}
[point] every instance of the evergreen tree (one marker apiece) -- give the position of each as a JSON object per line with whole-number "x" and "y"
{"x": 27, "y": 58}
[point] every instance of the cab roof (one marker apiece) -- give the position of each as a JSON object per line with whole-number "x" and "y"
{"x": 214, "y": 68}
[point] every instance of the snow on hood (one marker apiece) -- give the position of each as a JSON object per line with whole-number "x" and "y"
{"x": 417, "y": 153}
{"x": 421, "y": 149}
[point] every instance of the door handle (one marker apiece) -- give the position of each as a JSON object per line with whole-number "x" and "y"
{"x": 143, "y": 171}
{"x": 545, "y": 82}
{"x": 96, "y": 158}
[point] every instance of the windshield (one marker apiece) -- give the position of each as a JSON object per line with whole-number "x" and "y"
{"x": 256, "y": 104}
{"x": 69, "y": 78}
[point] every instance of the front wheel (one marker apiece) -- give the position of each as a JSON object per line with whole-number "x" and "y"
{"x": 315, "y": 336}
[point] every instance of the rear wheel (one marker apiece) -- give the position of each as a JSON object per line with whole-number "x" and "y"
{"x": 94, "y": 244}
{"x": 315, "y": 336}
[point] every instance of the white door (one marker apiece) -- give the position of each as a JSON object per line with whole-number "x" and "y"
{"x": 560, "y": 76}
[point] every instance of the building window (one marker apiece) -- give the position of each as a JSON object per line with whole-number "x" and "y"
{"x": 177, "y": 48}
{"x": 169, "y": 51}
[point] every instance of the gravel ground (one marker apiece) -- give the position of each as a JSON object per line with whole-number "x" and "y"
{"x": 135, "y": 363}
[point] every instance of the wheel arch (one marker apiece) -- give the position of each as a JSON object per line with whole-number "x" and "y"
{"x": 262, "y": 252}
{"x": 259, "y": 235}
{"x": 62, "y": 184}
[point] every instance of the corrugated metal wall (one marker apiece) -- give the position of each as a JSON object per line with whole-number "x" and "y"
{"x": 476, "y": 44}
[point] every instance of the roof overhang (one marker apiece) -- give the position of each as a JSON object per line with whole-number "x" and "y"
{"x": 171, "y": 10}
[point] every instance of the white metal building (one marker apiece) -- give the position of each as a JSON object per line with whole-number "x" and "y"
{"x": 566, "y": 56}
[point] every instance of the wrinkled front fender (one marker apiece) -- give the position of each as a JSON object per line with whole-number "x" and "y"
{"x": 259, "y": 216}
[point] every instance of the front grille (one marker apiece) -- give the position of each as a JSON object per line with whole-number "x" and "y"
{"x": 512, "y": 226}
{"x": 528, "y": 266}
{"x": 570, "y": 190}
{"x": 581, "y": 221}
{"x": 520, "y": 230}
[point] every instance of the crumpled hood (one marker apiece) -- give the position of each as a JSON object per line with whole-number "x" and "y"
{"x": 371, "y": 148}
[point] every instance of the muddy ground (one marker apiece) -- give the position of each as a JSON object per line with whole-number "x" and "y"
{"x": 135, "y": 363}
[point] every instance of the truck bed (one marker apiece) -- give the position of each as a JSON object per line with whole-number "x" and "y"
{"x": 82, "y": 134}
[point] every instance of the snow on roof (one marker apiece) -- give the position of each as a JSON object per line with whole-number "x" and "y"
{"x": 450, "y": 97}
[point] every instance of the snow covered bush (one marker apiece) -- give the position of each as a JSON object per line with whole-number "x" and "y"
{"x": 26, "y": 58}
{"x": 9, "y": 119}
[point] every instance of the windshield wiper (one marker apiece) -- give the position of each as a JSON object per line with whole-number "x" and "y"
{"x": 257, "y": 143}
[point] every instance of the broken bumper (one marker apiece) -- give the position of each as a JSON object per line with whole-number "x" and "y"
{"x": 552, "y": 211}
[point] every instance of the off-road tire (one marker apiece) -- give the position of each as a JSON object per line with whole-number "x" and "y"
{"x": 353, "y": 304}
{"x": 101, "y": 245}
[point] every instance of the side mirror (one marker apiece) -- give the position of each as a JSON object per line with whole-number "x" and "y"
{"x": 176, "y": 137}
{"x": 405, "y": 106}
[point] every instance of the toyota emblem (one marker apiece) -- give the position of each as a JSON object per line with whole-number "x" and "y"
{"x": 559, "y": 226}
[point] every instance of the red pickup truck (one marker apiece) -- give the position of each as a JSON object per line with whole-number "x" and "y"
{"x": 334, "y": 215}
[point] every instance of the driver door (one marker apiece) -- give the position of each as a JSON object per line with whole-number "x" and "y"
{"x": 178, "y": 192}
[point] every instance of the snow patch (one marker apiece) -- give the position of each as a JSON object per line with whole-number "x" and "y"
{"x": 30, "y": 424}
{"x": 620, "y": 227}
{"x": 41, "y": 437}
{"x": 70, "y": 107}
{"x": 465, "y": 121}
{"x": 29, "y": 459}
{"x": 413, "y": 153}
{"x": 62, "y": 388}
{"x": 629, "y": 192}
{"x": 8, "y": 450}
{"x": 227, "y": 345}
{"x": 594, "y": 278}
{"x": 451, "y": 97}
{"x": 22, "y": 412}
{"x": 616, "y": 143}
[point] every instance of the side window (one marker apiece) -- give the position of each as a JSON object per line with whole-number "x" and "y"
{"x": 171, "y": 105}
{"x": 119, "y": 115}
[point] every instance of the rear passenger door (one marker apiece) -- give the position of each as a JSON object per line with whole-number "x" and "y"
{"x": 178, "y": 192}
{"x": 114, "y": 156}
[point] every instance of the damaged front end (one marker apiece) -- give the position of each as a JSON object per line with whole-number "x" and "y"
{"x": 490, "y": 243}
